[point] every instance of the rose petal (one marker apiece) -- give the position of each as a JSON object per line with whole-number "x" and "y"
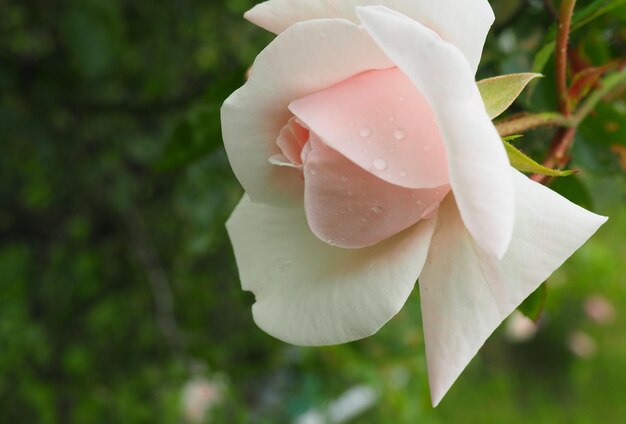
{"x": 300, "y": 61}
{"x": 379, "y": 118}
{"x": 466, "y": 293}
{"x": 462, "y": 23}
{"x": 351, "y": 208}
{"x": 478, "y": 164}
{"x": 310, "y": 293}
{"x": 291, "y": 140}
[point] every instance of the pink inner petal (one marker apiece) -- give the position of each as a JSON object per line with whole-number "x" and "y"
{"x": 349, "y": 207}
{"x": 292, "y": 139}
{"x": 382, "y": 123}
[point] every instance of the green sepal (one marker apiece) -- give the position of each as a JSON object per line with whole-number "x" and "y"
{"x": 523, "y": 163}
{"x": 500, "y": 92}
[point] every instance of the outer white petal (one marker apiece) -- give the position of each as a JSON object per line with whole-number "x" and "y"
{"x": 478, "y": 164}
{"x": 306, "y": 58}
{"x": 311, "y": 293}
{"x": 466, "y": 293}
{"x": 463, "y": 23}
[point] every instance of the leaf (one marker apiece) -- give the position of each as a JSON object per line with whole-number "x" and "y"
{"x": 585, "y": 80}
{"x": 523, "y": 163}
{"x": 513, "y": 137}
{"x": 195, "y": 137}
{"x": 573, "y": 190}
{"x": 533, "y": 306}
{"x": 500, "y": 92}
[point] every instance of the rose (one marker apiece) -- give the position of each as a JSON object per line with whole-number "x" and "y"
{"x": 369, "y": 160}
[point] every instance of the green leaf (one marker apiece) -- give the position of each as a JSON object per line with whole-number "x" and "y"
{"x": 500, "y": 92}
{"x": 513, "y": 137}
{"x": 533, "y": 306}
{"x": 574, "y": 190}
{"x": 195, "y": 137}
{"x": 523, "y": 163}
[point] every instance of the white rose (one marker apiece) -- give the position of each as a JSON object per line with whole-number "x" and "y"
{"x": 369, "y": 160}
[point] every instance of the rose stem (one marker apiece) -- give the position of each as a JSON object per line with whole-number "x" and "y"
{"x": 565, "y": 137}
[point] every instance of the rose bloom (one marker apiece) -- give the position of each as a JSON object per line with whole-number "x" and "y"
{"x": 369, "y": 160}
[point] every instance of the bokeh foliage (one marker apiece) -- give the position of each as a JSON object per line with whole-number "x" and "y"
{"x": 117, "y": 282}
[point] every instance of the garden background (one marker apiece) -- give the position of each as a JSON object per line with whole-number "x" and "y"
{"x": 119, "y": 296}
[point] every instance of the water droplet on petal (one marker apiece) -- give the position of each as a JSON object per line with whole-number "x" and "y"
{"x": 380, "y": 164}
{"x": 313, "y": 171}
{"x": 365, "y": 132}
{"x": 401, "y": 98}
{"x": 280, "y": 268}
{"x": 377, "y": 210}
{"x": 344, "y": 179}
{"x": 399, "y": 134}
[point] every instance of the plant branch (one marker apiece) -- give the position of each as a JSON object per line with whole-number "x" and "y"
{"x": 565, "y": 21}
{"x": 524, "y": 122}
{"x": 564, "y": 139}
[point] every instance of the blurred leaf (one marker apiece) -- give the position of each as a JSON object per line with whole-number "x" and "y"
{"x": 593, "y": 156}
{"x": 533, "y": 306}
{"x": 93, "y": 32}
{"x": 586, "y": 79}
{"x": 193, "y": 138}
{"x": 500, "y": 92}
{"x": 573, "y": 190}
{"x": 523, "y": 163}
{"x": 607, "y": 126}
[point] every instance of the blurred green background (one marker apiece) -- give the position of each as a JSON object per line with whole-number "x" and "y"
{"x": 119, "y": 296}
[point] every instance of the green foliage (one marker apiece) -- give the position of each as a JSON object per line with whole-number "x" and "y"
{"x": 523, "y": 163}
{"x": 533, "y": 306}
{"x": 500, "y": 92}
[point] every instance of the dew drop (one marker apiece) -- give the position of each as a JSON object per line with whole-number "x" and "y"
{"x": 280, "y": 268}
{"x": 377, "y": 210}
{"x": 313, "y": 171}
{"x": 365, "y": 132}
{"x": 399, "y": 134}
{"x": 401, "y": 98}
{"x": 380, "y": 164}
{"x": 344, "y": 179}
{"x": 419, "y": 203}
